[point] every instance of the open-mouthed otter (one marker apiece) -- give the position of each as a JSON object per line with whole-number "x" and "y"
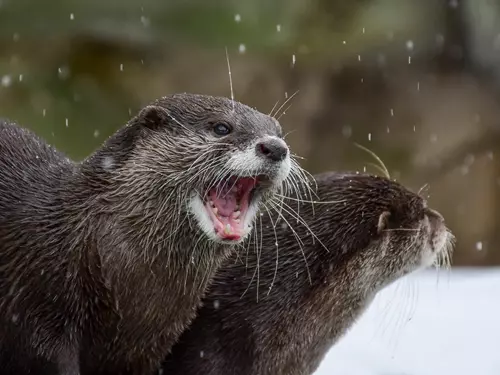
{"x": 277, "y": 310}
{"x": 104, "y": 262}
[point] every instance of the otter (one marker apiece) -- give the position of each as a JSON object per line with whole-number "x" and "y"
{"x": 308, "y": 274}
{"x": 97, "y": 255}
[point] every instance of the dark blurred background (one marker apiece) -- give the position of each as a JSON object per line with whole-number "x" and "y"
{"x": 416, "y": 82}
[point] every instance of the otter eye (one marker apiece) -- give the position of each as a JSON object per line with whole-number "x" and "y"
{"x": 222, "y": 129}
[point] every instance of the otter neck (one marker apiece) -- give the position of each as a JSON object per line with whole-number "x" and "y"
{"x": 151, "y": 241}
{"x": 334, "y": 288}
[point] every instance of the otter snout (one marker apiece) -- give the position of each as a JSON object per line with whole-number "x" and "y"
{"x": 273, "y": 149}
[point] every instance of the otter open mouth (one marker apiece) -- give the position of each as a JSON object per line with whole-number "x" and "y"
{"x": 227, "y": 206}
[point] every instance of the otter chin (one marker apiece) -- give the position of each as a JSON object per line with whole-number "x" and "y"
{"x": 307, "y": 274}
{"x": 104, "y": 261}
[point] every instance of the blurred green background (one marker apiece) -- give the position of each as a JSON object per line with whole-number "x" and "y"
{"x": 414, "y": 81}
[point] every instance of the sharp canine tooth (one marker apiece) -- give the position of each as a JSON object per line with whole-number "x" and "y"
{"x": 237, "y": 221}
{"x": 215, "y": 210}
{"x": 236, "y": 214}
{"x": 211, "y": 203}
{"x": 227, "y": 229}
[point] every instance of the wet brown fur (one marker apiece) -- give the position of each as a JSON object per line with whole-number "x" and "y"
{"x": 101, "y": 262}
{"x": 256, "y": 320}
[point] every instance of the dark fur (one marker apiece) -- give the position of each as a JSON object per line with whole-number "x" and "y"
{"x": 101, "y": 262}
{"x": 256, "y": 322}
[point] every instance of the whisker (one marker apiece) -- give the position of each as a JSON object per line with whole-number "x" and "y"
{"x": 286, "y": 102}
{"x": 422, "y": 188}
{"x": 291, "y": 212}
{"x": 300, "y": 243}
{"x": 401, "y": 229}
{"x": 272, "y": 109}
{"x": 230, "y": 78}
{"x": 382, "y": 165}
{"x": 312, "y": 202}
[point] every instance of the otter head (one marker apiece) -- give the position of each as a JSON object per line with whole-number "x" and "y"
{"x": 389, "y": 230}
{"x": 222, "y": 157}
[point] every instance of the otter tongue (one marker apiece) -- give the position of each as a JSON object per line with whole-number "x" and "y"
{"x": 231, "y": 203}
{"x": 225, "y": 203}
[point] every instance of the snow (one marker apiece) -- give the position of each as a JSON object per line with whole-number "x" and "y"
{"x": 426, "y": 324}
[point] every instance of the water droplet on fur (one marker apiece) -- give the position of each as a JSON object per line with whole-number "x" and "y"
{"x": 479, "y": 246}
{"x": 202, "y": 354}
{"x": 216, "y": 304}
{"x": 15, "y": 318}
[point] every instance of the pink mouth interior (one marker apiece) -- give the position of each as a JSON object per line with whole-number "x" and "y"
{"x": 227, "y": 206}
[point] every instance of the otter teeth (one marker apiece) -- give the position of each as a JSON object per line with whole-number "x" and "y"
{"x": 236, "y": 214}
{"x": 215, "y": 210}
{"x": 227, "y": 229}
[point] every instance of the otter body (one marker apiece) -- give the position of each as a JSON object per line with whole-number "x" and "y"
{"x": 95, "y": 256}
{"x": 277, "y": 308}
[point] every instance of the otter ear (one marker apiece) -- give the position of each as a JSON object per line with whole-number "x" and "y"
{"x": 383, "y": 221}
{"x": 153, "y": 116}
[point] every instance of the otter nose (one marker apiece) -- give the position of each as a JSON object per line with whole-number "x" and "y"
{"x": 272, "y": 149}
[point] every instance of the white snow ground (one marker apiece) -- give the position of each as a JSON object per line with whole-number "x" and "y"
{"x": 425, "y": 325}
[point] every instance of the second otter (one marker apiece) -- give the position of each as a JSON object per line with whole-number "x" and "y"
{"x": 103, "y": 262}
{"x": 277, "y": 308}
